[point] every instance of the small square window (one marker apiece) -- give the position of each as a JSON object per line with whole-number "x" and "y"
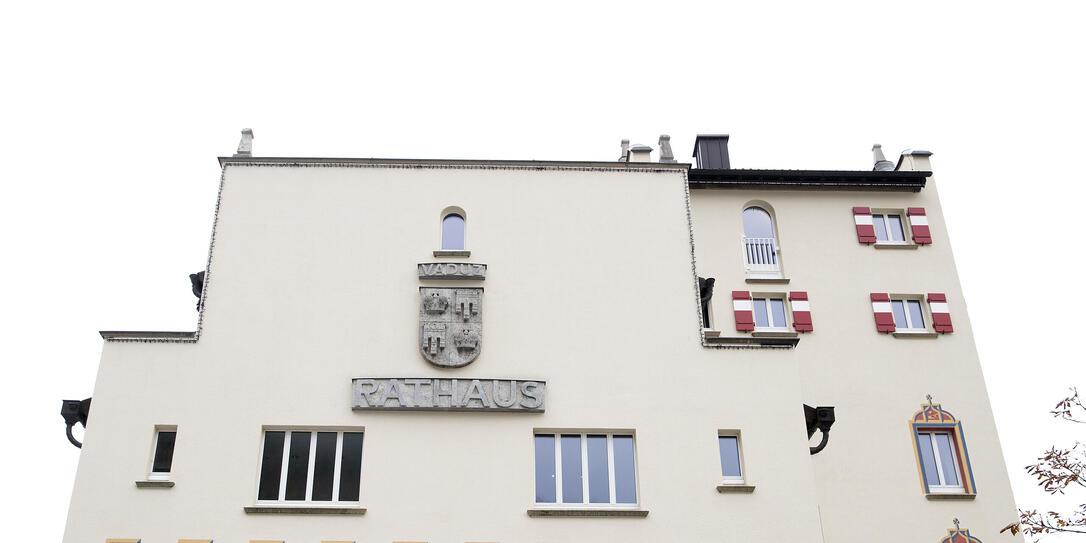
{"x": 589, "y": 469}
{"x": 162, "y": 460}
{"x": 889, "y": 227}
{"x": 908, "y": 315}
{"x": 730, "y": 459}
{"x": 769, "y": 313}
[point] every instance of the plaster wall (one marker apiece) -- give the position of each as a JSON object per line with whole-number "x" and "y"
{"x": 867, "y": 478}
{"x": 590, "y": 287}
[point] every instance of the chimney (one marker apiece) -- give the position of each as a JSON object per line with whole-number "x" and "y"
{"x": 881, "y": 164}
{"x": 625, "y": 151}
{"x": 245, "y": 146}
{"x": 666, "y": 155}
{"x": 711, "y": 151}
{"x": 914, "y": 161}
{"x": 639, "y": 153}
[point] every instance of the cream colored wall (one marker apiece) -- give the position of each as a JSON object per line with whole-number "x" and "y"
{"x": 312, "y": 282}
{"x": 868, "y": 482}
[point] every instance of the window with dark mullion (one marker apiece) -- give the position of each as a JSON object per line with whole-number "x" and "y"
{"x": 164, "y": 452}
{"x": 271, "y": 466}
{"x": 304, "y": 466}
{"x": 297, "y": 465}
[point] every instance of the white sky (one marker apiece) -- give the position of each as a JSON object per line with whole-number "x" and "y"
{"x": 112, "y": 116}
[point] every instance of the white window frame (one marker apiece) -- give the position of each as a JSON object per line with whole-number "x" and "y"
{"x": 741, "y": 479}
{"x": 943, "y": 488}
{"x": 558, "y": 503}
{"x": 773, "y": 327}
{"x": 885, "y": 216}
{"x": 153, "y": 475}
{"x": 308, "y": 501}
{"x": 908, "y": 317}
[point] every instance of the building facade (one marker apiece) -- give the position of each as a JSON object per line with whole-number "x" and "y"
{"x": 502, "y": 351}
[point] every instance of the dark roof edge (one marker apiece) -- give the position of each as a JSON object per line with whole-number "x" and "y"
{"x": 113, "y": 335}
{"x": 224, "y": 160}
{"x": 904, "y": 181}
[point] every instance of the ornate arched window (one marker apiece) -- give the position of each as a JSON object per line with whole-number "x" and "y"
{"x": 958, "y": 535}
{"x": 760, "y": 243}
{"x": 941, "y": 454}
{"x": 452, "y": 232}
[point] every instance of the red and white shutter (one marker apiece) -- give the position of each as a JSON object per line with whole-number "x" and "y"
{"x": 744, "y": 310}
{"x": 884, "y": 312}
{"x": 940, "y": 312}
{"x": 919, "y": 220}
{"x": 865, "y": 224}
{"x": 801, "y": 311}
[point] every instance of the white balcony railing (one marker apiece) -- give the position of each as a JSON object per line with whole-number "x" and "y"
{"x": 762, "y": 257}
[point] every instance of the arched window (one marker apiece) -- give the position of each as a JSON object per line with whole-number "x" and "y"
{"x": 452, "y": 232}
{"x": 760, "y": 243}
{"x": 757, "y": 223}
{"x": 941, "y": 454}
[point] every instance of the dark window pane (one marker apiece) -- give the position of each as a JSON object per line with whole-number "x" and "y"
{"x": 164, "y": 452}
{"x": 896, "y": 232}
{"x": 927, "y": 459}
{"x": 761, "y": 314}
{"x": 899, "y": 314}
{"x": 599, "y": 486}
{"x": 452, "y": 232}
{"x": 571, "y": 469}
{"x": 271, "y": 466}
{"x": 544, "y": 469}
{"x": 916, "y": 314}
{"x": 297, "y": 465}
{"x": 625, "y": 485}
{"x": 729, "y": 456}
{"x": 350, "y": 467}
{"x": 757, "y": 223}
{"x": 880, "y": 228}
{"x": 777, "y": 307}
{"x": 324, "y": 466}
{"x": 946, "y": 459}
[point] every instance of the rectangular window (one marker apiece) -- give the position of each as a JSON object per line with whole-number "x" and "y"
{"x": 162, "y": 461}
{"x": 769, "y": 314}
{"x": 730, "y": 464}
{"x": 585, "y": 469}
{"x": 301, "y": 466}
{"x": 939, "y": 458}
{"x": 908, "y": 315}
{"x": 889, "y": 228}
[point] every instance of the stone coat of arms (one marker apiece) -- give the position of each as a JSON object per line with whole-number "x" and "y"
{"x": 450, "y": 325}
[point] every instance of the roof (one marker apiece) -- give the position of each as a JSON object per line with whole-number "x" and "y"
{"x": 897, "y": 181}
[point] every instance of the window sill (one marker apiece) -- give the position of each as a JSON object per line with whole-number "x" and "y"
{"x": 775, "y": 341}
{"x": 455, "y": 253}
{"x": 729, "y": 488}
{"x": 154, "y": 484}
{"x": 767, "y": 333}
{"x": 768, "y": 280}
{"x": 918, "y": 335}
{"x": 586, "y": 512}
{"x": 303, "y": 510}
{"x": 709, "y": 332}
{"x": 951, "y": 496}
{"x": 906, "y": 246}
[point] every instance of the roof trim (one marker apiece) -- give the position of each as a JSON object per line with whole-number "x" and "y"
{"x": 224, "y": 160}
{"x": 115, "y": 335}
{"x": 896, "y": 181}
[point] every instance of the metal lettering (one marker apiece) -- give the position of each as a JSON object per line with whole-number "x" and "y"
{"x": 411, "y": 394}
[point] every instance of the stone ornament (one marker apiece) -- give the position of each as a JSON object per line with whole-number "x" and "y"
{"x": 450, "y": 325}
